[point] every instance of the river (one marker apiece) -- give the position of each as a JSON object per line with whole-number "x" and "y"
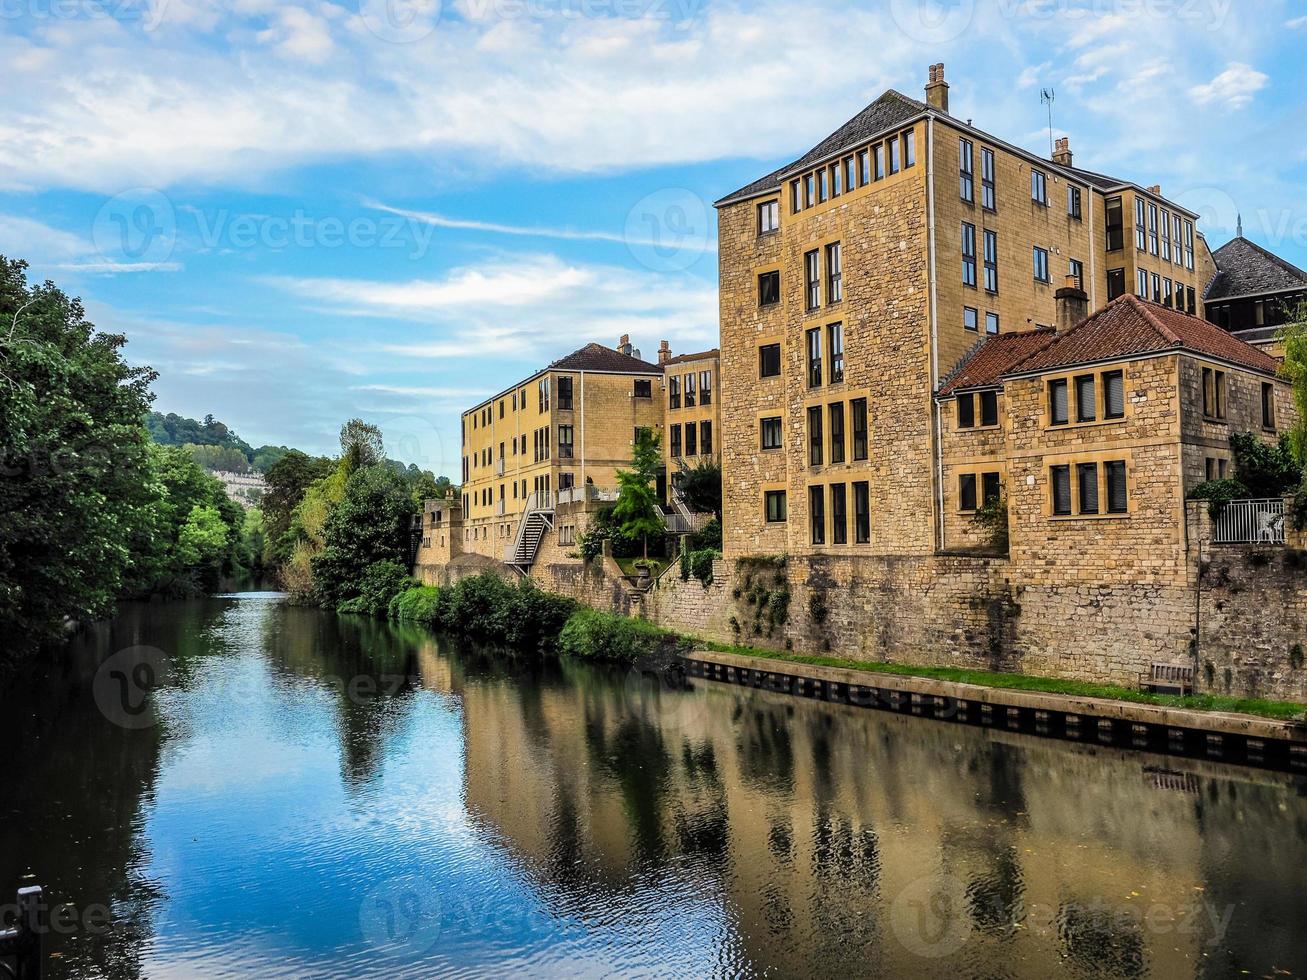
{"x": 301, "y": 794}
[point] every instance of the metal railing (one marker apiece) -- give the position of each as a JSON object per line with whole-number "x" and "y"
{"x": 1250, "y": 522}
{"x": 575, "y": 495}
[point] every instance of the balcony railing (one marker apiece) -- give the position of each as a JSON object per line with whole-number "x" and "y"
{"x": 499, "y": 466}
{"x": 1250, "y": 522}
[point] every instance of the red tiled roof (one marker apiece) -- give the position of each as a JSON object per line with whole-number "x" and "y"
{"x": 989, "y": 360}
{"x": 1130, "y": 326}
{"x": 597, "y": 357}
{"x": 682, "y": 358}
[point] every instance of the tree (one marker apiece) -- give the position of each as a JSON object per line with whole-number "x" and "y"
{"x": 287, "y": 481}
{"x": 636, "y": 509}
{"x": 1294, "y": 338}
{"x": 701, "y": 489}
{"x": 74, "y": 486}
{"x": 371, "y": 523}
{"x": 219, "y": 458}
{"x": 360, "y": 444}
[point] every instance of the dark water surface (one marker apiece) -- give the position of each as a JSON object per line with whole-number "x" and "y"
{"x": 308, "y": 795}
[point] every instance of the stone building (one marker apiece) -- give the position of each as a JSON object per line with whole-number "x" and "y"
{"x": 1254, "y": 292}
{"x": 854, "y": 279}
{"x": 692, "y": 421}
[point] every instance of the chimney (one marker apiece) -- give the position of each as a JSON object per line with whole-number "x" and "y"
{"x": 1072, "y": 305}
{"x": 1062, "y": 154}
{"x": 624, "y": 344}
{"x": 1156, "y": 189}
{"x": 664, "y": 352}
{"x": 937, "y": 89}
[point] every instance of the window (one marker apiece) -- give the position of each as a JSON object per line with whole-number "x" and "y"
{"x": 1041, "y": 265}
{"x": 1213, "y": 393}
{"x": 1166, "y": 292}
{"x": 989, "y": 408}
{"x": 691, "y": 439}
{"x": 909, "y": 149}
{"x": 817, "y": 514}
{"x": 879, "y": 151}
{"x": 771, "y": 433}
{"x": 1153, "y": 248}
{"x": 1087, "y": 478}
{"x": 966, "y": 411}
{"x": 1166, "y": 235}
{"x": 1157, "y": 288}
{"x": 773, "y": 502}
{"x": 837, "y": 432}
{"x": 835, "y": 338}
{"x": 643, "y": 389}
{"x": 1060, "y": 477}
{"x": 895, "y": 163}
{"x": 991, "y": 261}
{"x": 1115, "y": 225}
{"x": 673, "y": 392}
{"x": 796, "y": 197}
{"x": 1073, "y": 202}
{"x": 1114, "y": 395}
{"x": 836, "y": 180}
{"x": 967, "y": 492}
{"x": 1191, "y": 304}
{"x": 809, "y": 190}
{"x": 564, "y": 442}
{"x": 864, "y": 168}
{"x": 705, "y": 437}
{"x": 970, "y": 319}
{"x": 565, "y": 394}
{"x": 1141, "y": 224}
{"x": 839, "y": 514}
{"x": 967, "y": 168}
{"x": 1086, "y": 407}
{"x": 1076, "y": 269}
{"x": 814, "y": 357}
{"x": 812, "y": 278}
{"x": 850, "y": 174}
{"x": 1117, "y": 499}
{"x": 1178, "y": 225}
{"x": 1189, "y": 245}
{"x": 968, "y": 254}
{"x": 638, "y": 433}
{"x": 769, "y": 288}
{"x": 814, "y": 436}
{"x": 991, "y": 323}
{"x": 1141, "y": 287}
{"x": 858, "y": 409}
{"x": 1057, "y": 403}
{"x": 1039, "y": 187}
{"x": 861, "y": 513}
{"x": 988, "y": 198}
{"x": 1268, "y": 405}
{"x": 769, "y": 361}
{"x": 834, "y": 274}
{"x": 769, "y": 217}
{"x": 543, "y": 394}
{"x": 991, "y": 488}
{"x": 705, "y": 387}
{"x": 1115, "y": 284}
{"x": 1215, "y": 468}
{"x": 823, "y": 186}
{"x": 688, "y": 386}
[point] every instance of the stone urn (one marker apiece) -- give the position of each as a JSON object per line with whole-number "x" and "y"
{"x": 643, "y": 580}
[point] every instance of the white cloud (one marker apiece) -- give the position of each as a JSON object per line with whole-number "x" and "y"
{"x": 1296, "y": 23}
{"x": 49, "y": 249}
{"x": 1234, "y": 88}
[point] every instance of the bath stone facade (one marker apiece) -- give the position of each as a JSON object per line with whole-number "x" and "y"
{"x": 692, "y": 423}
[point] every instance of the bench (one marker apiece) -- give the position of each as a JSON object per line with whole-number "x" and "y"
{"x": 1169, "y": 679}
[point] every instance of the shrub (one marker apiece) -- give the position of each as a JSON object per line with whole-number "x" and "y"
{"x": 593, "y": 635}
{"x": 485, "y": 607}
{"x": 707, "y": 538}
{"x": 698, "y": 564}
{"x": 1218, "y": 493}
{"x": 993, "y": 518}
{"x": 423, "y": 604}
{"x": 382, "y": 581}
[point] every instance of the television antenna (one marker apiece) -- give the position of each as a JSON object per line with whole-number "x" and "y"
{"x": 1048, "y": 96}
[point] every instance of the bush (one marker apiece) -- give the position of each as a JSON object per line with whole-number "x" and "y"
{"x": 487, "y": 608}
{"x": 1218, "y": 493}
{"x": 698, "y": 564}
{"x": 707, "y": 538}
{"x": 382, "y": 581}
{"x": 593, "y": 635}
{"x": 993, "y": 518}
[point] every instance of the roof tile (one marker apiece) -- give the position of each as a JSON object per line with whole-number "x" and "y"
{"x": 1246, "y": 269}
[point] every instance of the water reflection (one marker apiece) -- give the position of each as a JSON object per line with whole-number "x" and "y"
{"x": 325, "y": 795}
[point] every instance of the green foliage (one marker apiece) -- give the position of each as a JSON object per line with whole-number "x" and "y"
{"x": 382, "y": 582}
{"x": 604, "y": 526}
{"x": 370, "y": 524}
{"x": 1218, "y": 493}
{"x": 992, "y": 517}
{"x": 485, "y": 607}
{"x": 593, "y": 635}
{"x": 360, "y": 445}
{"x": 287, "y": 481}
{"x": 636, "y": 511}
{"x": 219, "y": 458}
{"x": 1267, "y": 470}
{"x": 766, "y": 590}
{"x": 701, "y": 488}
{"x": 174, "y": 430}
{"x": 699, "y": 564}
{"x": 1294, "y": 337}
{"x": 75, "y": 490}
{"x": 708, "y": 537}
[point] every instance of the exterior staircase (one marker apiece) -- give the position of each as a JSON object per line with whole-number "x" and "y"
{"x": 537, "y": 518}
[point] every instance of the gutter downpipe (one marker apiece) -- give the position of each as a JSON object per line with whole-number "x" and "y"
{"x": 936, "y": 414}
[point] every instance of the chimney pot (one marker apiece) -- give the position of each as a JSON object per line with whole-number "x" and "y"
{"x": 1062, "y": 155}
{"x": 937, "y": 89}
{"x": 1156, "y": 189}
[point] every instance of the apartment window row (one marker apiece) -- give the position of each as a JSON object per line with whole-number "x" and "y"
{"x": 1165, "y": 291}
{"x": 697, "y": 441}
{"x": 541, "y": 444}
{"x": 977, "y": 409}
{"x": 1099, "y": 396}
{"x": 836, "y": 431}
{"x": 838, "y": 496}
{"x": 689, "y": 389}
{"x": 858, "y": 169}
{"x": 971, "y": 320}
{"x": 1089, "y": 489}
{"x": 975, "y": 490}
{"x": 813, "y": 283}
{"x": 825, "y": 362}
{"x": 1167, "y": 236}
{"x": 967, "y": 175}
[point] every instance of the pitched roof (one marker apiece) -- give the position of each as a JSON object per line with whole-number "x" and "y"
{"x": 1101, "y": 181}
{"x": 597, "y": 357}
{"x": 681, "y": 358}
{"x": 1129, "y": 326}
{"x": 891, "y": 109}
{"x": 1245, "y": 269}
{"x": 986, "y": 363}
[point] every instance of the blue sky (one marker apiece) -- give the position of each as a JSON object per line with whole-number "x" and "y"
{"x": 300, "y": 210}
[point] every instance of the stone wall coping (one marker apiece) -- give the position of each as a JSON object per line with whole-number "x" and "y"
{"x": 1216, "y": 722}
